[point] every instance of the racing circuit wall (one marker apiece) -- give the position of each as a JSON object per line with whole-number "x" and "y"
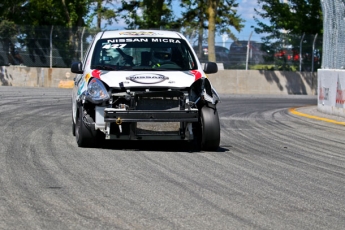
{"x": 225, "y": 81}
{"x": 331, "y": 78}
{"x": 331, "y": 91}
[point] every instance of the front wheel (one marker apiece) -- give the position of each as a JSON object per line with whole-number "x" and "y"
{"x": 84, "y": 134}
{"x": 73, "y": 127}
{"x": 209, "y": 129}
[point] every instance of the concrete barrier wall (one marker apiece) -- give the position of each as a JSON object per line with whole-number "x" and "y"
{"x": 328, "y": 85}
{"x": 36, "y": 77}
{"x": 264, "y": 82}
{"x": 225, "y": 81}
{"x": 331, "y": 91}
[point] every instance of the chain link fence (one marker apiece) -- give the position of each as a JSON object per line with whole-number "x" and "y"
{"x": 289, "y": 52}
{"x": 334, "y": 33}
{"x": 52, "y": 46}
{"x": 58, "y": 47}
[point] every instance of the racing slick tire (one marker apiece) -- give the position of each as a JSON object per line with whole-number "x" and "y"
{"x": 209, "y": 135}
{"x": 84, "y": 134}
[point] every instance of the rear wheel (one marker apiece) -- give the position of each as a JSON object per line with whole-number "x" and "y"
{"x": 209, "y": 129}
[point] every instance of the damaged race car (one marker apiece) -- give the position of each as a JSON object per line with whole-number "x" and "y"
{"x": 144, "y": 85}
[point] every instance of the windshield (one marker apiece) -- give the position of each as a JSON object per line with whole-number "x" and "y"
{"x": 142, "y": 54}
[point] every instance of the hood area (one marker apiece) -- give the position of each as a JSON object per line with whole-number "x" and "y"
{"x": 156, "y": 79}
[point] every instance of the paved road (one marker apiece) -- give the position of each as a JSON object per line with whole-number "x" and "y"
{"x": 274, "y": 170}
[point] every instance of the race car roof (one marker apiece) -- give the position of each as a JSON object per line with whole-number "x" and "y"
{"x": 140, "y": 33}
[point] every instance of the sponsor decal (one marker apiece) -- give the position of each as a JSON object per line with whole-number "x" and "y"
{"x": 113, "y": 46}
{"x": 196, "y": 74}
{"x": 122, "y": 41}
{"x": 138, "y": 33}
{"x": 81, "y": 87}
{"x": 165, "y": 40}
{"x": 87, "y": 77}
{"x": 147, "y": 78}
{"x": 340, "y": 97}
{"x": 96, "y": 73}
{"x": 323, "y": 93}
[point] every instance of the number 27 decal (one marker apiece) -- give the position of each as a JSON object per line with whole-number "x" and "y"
{"x": 113, "y": 46}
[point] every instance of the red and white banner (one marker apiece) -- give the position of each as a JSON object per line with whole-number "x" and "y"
{"x": 331, "y": 91}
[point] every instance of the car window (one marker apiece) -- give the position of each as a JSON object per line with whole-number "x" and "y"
{"x": 222, "y": 49}
{"x": 238, "y": 44}
{"x": 142, "y": 53}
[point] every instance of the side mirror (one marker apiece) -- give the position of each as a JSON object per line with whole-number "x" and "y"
{"x": 210, "y": 67}
{"x": 77, "y": 68}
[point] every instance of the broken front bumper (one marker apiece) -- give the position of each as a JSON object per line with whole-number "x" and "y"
{"x": 123, "y": 124}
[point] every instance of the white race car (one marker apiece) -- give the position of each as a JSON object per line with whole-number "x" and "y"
{"x": 144, "y": 85}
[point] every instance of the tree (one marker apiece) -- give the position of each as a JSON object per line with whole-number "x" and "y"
{"x": 148, "y": 14}
{"x": 10, "y": 10}
{"x": 34, "y": 20}
{"x": 8, "y": 31}
{"x": 214, "y": 16}
{"x": 37, "y": 12}
{"x": 212, "y": 6}
{"x": 194, "y": 21}
{"x": 293, "y": 16}
{"x": 288, "y": 21}
{"x": 104, "y": 10}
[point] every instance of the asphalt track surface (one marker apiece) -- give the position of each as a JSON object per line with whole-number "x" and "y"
{"x": 274, "y": 170}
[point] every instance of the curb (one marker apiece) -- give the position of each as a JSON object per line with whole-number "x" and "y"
{"x": 295, "y": 112}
